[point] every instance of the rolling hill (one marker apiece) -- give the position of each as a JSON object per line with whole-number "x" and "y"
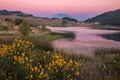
{"x": 17, "y": 13}
{"x": 13, "y": 15}
{"x": 107, "y": 18}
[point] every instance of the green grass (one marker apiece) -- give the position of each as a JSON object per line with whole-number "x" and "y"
{"x": 52, "y": 36}
{"x": 55, "y": 35}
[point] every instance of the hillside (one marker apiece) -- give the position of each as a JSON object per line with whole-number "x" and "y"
{"x": 13, "y": 15}
{"x": 35, "y": 21}
{"x": 17, "y": 13}
{"x": 107, "y": 18}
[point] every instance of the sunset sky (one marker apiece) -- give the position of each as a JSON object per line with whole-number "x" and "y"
{"x": 77, "y": 8}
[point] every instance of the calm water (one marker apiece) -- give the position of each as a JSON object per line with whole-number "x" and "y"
{"x": 86, "y": 40}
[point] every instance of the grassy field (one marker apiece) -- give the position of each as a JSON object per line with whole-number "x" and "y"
{"x": 35, "y": 21}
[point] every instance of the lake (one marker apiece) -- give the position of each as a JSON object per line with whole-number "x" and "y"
{"x": 86, "y": 40}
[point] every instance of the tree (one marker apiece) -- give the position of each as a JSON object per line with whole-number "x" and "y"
{"x": 18, "y": 21}
{"x": 64, "y": 22}
{"x": 43, "y": 27}
{"x": 8, "y": 20}
{"x": 24, "y": 28}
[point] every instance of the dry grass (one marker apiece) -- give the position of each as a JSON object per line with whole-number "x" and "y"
{"x": 39, "y": 21}
{"x": 33, "y": 20}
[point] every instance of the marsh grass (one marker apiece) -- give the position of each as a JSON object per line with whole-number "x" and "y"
{"x": 7, "y": 40}
{"x": 64, "y": 35}
{"x": 43, "y": 41}
{"x": 40, "y": 42}
{"x": 105, "y": 65}
{"x": 8, "y": 34}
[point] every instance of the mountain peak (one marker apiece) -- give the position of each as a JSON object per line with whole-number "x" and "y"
{"x": 61, "y": 15}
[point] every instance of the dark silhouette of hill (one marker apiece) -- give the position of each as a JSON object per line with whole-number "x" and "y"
{"x": 61, "y": 15}
{"x": 69, "y": 19}
{"x": 17, "y": 13}
{"x": 107, "y": 18}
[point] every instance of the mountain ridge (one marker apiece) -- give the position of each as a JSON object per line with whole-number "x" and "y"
{"x": 61, "y": 15}
{"x": 107, "y": 18}
{"x": 17, "y": 13}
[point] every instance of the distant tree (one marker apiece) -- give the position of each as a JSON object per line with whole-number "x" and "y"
{"x": 18, "y": 21}
{"x": 8, "y": 20}
{"x": 24, "y": 28}
{"x": 64, "y": 22}
{"x": 43, "y": 27}
{"x": 53, "y": 18}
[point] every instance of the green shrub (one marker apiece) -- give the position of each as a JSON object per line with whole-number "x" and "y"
{"x": 24, "y": 28}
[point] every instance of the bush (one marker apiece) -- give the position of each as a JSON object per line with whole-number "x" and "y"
{"x": 18, "y": 21}
{"x": 24, "y": 28}
{"x": 14, "y": 59}
{"x": 8, "y": 20}
{"x": 43, "y": 27}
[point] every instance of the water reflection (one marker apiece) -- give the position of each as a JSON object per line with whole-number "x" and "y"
{"x": 86, "y": 40}
{"x": 115, "y": 36}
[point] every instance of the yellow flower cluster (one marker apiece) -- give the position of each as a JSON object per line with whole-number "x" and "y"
{"x": 41, "y": 65}
{"x": 18, "y": 47}
{"x": 59, "y": 64}
{"x": 3, "y": 50}
{"x": 35, "y": 71}
{"x": 22, "y": 46}
{"x": 57, "y": 60}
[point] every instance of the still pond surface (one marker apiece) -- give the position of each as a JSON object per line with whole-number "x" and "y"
{"x": 86, "y": 39}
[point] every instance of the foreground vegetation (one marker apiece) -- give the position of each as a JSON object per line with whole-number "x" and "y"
{"x": 43, "y": 41}
{"x": 105, "y": 65}
{"x": 20, "y": 61}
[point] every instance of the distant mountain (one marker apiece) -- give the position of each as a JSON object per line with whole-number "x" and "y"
{"x": 17, "y": 13}
{"x": 61, "y": 15}
{"x": 107, "y": 18}
{"x": 69, "y": 19}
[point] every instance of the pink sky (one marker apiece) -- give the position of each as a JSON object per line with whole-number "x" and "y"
{"x": 50, "y": 7}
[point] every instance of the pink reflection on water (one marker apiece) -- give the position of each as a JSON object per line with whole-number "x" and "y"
{"x": 86, "y": 40}
{"x": 82, "y": 30}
